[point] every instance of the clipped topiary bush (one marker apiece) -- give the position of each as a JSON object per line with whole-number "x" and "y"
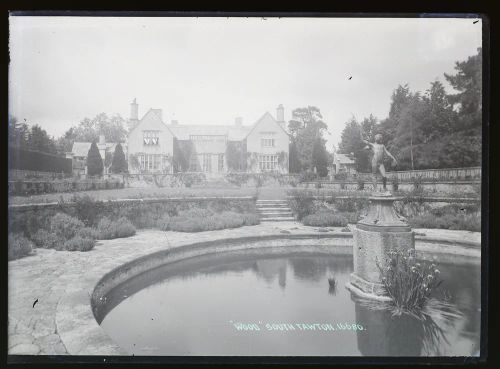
{"x": 325, "y": 218}
{"x": 108, "y": 229}
{"x": 79, "y": 244}
{"x": 19, "y": 246}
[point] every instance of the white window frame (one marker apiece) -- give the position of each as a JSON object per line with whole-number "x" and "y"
{"x": 267, "y": 142}
{"x": 151, "y": 136}
{"x": 268, "y": 163}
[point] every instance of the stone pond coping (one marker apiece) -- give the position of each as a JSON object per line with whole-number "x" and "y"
{"x": 78, "y": 280}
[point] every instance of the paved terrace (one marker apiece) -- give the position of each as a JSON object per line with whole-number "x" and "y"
{"x": 49, "y": 275}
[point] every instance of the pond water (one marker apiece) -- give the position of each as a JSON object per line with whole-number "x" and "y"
{"x": 281, "y": 306}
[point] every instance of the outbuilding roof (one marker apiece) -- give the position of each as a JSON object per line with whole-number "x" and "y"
{"x": 82, "y": 148}
{"x": 344, "y": 159}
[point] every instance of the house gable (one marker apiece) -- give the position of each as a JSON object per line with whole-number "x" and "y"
{"x": 267, "y": 128}
{"x": 151, "y": 121}
{"x": 268, "y": 120}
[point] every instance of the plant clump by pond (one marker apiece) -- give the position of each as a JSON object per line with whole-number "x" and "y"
{"x": 409, "y": 282}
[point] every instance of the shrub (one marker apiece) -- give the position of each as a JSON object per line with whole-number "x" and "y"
{"x": 466, "y": 222}
{"x": 88, "y": 232}
{"x": 46, "y": 240}
{"x": 301, "y": 204}
{"x": 163, "y": 223}
{"x": 408, "y": 282}
{"x": 94, "y": 162}
{"x": 395, "y": 183}
{"x": 342, "y": 176}
{"x": 361, "y": 184}
{"x": 324, "y": 218}
{"x": 198, "y": 220}
{"x": 120, "y": 228}
{"x": 78, "y": 243}
{"x": 19, "y": 246}
{"x": 65, "y": 226}
{"x": 307, "y": 176}
{"x": 351, "y": 204}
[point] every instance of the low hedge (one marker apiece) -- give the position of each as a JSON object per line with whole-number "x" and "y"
{"x": 325, "y": 218}
{"x": 198, "y": 220}
{"x": 19, "y": 246}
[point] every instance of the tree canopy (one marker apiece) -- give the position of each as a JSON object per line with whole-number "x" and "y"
{"x": 434, "y": 129}
{"x": 88, "y": 130}
{"x": 305, "y": 127}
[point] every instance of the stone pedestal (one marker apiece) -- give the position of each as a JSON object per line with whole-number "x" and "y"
{"x": 381, "y": 231}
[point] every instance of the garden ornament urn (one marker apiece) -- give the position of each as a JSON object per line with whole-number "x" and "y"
{"x": 381, "y": 231}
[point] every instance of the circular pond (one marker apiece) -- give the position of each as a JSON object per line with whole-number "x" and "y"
{"x": 235, "y": 304}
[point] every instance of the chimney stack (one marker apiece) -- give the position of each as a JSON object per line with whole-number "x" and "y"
{"x": 238, "y": 121}
{"x": 134, "y": 110}
{"x": 134, "y": 114}
{"x": 280, "y": 114}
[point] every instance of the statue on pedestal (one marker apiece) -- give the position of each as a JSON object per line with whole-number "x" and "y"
{"x": 379, "y": 152}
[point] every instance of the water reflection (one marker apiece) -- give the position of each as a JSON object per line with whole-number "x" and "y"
{"x": 193, "y": 301}
{"x": 388, "y": 334}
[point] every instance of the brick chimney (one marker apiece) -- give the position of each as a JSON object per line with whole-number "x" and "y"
{"x": 134, "y": 114}
{"x": 280, "y": 114}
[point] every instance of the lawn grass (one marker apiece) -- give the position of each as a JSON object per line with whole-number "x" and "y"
{"x": 136, "y": 193}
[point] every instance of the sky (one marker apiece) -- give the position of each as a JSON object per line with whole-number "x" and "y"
{"x": 212, "y": 70}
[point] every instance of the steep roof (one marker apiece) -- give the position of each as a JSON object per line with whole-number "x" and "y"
{"x": 82, "y": 148}
{"x": 266, "y": 114}
{"x": 156, "y": 113}
{"x": 233, "y": 133}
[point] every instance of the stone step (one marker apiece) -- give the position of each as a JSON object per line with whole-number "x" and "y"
{"x": 272, "y": 206}
{"x": 271, "y": 201}
{"x": 284, "y": 212}
{"x": 276, "y": 216}
{"x": 281, "y": 219}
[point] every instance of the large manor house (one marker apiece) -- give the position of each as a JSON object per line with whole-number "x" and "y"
{"x": 152, "y": 145}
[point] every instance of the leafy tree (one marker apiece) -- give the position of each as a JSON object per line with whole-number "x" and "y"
{"x": 182, "y": 152}
{"x": 235, "y": 156}
{"x": 39, "y": 140}
{"x": 88, "y": 130}
{"x": 352, "y": 141}
{"x": 119, "y": 163}
{"x": 18, "y": 133}
{"x": 468, "y": 82}
{"x": 307, "y": 125}
{"x": 294, "y": 160}
{"x": 320, "y": 157}
{"x": 94, "y": 161}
